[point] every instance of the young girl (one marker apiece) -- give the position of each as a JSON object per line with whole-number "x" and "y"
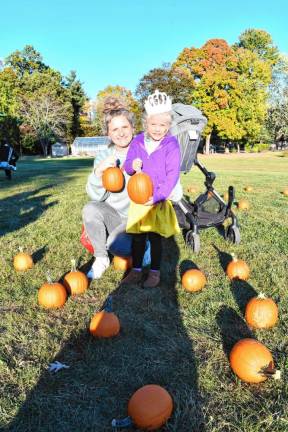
{"x": 157, "y": 153}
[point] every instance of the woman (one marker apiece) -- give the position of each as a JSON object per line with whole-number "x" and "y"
{"x": 107, "y": 212}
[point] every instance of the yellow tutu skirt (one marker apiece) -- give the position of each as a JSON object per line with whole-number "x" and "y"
{"x": 159, "y": 218}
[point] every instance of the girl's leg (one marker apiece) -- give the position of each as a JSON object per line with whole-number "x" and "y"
{"x": 138, "y": 249}
{"x": 153, "y": 278}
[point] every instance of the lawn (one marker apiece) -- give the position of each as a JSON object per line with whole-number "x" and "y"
{"x": 168, "y": 336}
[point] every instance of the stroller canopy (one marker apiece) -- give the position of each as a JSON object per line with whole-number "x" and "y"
{"x": 188, "y": 123}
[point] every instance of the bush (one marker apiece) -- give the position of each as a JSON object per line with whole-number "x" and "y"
{"x": 257, "y": 148}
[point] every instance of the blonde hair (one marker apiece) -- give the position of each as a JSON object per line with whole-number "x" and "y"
{"x": 114, "y": 107}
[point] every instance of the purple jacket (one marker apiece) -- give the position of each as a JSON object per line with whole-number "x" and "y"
{"x": 163, "y": 165}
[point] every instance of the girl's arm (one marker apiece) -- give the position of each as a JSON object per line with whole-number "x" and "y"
{"x": 173, "y": 160}
{"x": 131, "y": 155}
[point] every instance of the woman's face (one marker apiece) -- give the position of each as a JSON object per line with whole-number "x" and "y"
{"x": 120, "y": 131}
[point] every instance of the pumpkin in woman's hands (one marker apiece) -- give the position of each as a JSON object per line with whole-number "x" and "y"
{"x": 140, "y": 188}
{"x": 251, "y": 361}
{"x": 75, "y": 281}
{"x": 150, "y": 407}
{"x": 113, "y": 179}
{"x": 22, "y": 261}
{"x": 261, "y": 312}
{"x": 104, "y": 324}
{"x": 52, "y": 295}
{"x": 193, "y": 280}
{"x": 238, "y": 269}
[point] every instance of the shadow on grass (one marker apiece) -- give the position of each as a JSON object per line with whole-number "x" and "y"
{"x": 152, "y": 347}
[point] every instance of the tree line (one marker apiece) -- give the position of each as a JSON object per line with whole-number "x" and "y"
{"x": 241, "y": 88}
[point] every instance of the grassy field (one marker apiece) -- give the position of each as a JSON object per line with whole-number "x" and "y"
{"x": 168, "y": 336}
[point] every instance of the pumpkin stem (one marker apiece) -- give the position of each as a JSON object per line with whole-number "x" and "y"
{"x": 270, "y": 371}
{"x": 262, "y": 296}
{"x": 126, "y": 422}
{"x": 48, "y": 276}
{"x": 73, "y": 265}
{"x": 20, "y": 249}
{"x": 234, "y": 258}
{"x": 108, "y": 305}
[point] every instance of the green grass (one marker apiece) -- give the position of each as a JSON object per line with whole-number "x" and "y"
{"x": 168, "y": 337}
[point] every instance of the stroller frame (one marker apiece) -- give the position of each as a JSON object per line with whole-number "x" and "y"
{"x": 192, "y": 216}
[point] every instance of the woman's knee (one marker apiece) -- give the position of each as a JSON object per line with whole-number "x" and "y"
{"x": 91, "y": 211}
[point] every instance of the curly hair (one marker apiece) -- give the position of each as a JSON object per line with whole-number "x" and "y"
{"x": 114, "y": 107}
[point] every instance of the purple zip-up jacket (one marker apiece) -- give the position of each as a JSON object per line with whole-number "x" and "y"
{"x": 163, "y": 165}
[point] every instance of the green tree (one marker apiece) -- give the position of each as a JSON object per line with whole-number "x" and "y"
{"x": 261, "y": 43}
{"x": 26, "y": 61}
{"x": 77, "y": 97}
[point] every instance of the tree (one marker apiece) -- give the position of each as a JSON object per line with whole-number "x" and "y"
{"x": 26, "y": 61}
{"x": 77, "y": 98}
{"x": 261, "y": 43}
{"x": 45, "y": 117}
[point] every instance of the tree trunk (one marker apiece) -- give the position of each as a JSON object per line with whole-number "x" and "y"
{"x": 207, "y": 144}
{"x": 238, "y": 147}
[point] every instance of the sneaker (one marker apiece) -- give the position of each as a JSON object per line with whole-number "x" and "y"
{"x": 98, "y": 268}
{"x": 152, "y": 280}
{"x": 133, "y": 277}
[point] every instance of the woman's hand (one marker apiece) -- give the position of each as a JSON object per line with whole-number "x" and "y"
{"x": 137, "y": 164}
{"x": 110, "y": 161}
{"x": 149, "y": 202}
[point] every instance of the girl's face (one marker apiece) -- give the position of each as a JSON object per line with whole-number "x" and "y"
{"x": 157, "y": 125}
{"x": 120, "y": 131}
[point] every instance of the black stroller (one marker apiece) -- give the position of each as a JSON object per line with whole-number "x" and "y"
{"x": 209, "y": 209}
{"x": 8, "y": 159}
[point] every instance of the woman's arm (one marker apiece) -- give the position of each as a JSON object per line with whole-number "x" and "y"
{"x": 94, "y": 187}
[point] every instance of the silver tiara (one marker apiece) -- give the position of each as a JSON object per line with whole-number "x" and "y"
{"x": 158, "y": 103}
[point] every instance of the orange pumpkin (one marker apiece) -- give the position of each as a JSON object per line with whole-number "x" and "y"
{"x": 52, "y": 295}
{"x": 76, "y": 282}
{"x": 191, "y": 189}
{"x": 140, "y": 188}
{"x": 225, "y": 196}
{"x": 243, "y": 204}
{"x": 248, "y": 188}
{"x": 104, "y": 324}
{"x": 150, "y": 407}
{"x": 113, "y": 179}
{"x": 285, "y": 192}
{"x": 238, "y": 269}
{"x": 22, "y": 261}
{"x": 261, "y": 312}
{"x": 251, "y": 361}
{"x": 193, "y": 280}
{"x": 122, "y": 263}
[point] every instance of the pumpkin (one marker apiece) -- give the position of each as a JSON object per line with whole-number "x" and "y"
{"x": 150, "y": 407}
{"x": 76, "y": 282}
{"x": 113, "y": 179}
{"x": 248, "y": 188}
{"x": 22, "y": 261}
{"x": 261, "y": 312}
{"x": 122, "y": 263}
{"x": 238, "y": 269}
{"x": 140, "y": 188}
{"x": 193, "y": 280}
{"x": 104, "y": 324}
{"x": 52, "y": 295}
{"x": 285, "y": 192}
{"x": 191, "y": 189}
{"x": 251, "y": 361}
{"x": 243, "y": 204}
{"x": 225, "y": 196}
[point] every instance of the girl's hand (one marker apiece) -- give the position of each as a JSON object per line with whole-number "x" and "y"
{"x": 137, "y": 164}
{"x": 149, "y": 202}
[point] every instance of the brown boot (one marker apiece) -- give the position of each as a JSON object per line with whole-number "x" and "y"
{"x": 133, "y": 278}
{"x": 152, "y": 280}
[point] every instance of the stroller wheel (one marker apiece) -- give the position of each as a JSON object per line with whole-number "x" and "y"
{"x": 233, "y": 234}
{"x": 193, "y": 241}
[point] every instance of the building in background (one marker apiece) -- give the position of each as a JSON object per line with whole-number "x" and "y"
{"x": 88, "y": 146}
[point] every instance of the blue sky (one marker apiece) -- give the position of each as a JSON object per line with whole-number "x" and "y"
{"x": 117, "y": 42}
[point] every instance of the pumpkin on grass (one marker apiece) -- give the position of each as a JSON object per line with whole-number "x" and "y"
{"x": 113, "y": 179}
{"x": 193, "y": 280}
{"x": 140, "y": 188}
{"x": 248, "y": 188}
{"x": 22, "y": 261}
{"x": 226, "y": 196}
{"x": 104, "y": 324}
{"x": 261, "y": 312}
{"x": 75, "y": 281}
{"x": 191, "y": 189}
{"x": 150, "y": 407}
{"x": 243, "y": 204}
{"x": 238, "y": 269}
{"x": 252, "y": 362}
{"x": 52, "y": 295}
{"x": 122, "y": 263}
{"x": 285, "y": 192}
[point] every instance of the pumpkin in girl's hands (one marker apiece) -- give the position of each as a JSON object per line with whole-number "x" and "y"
{"x": 193, "y": 280}
{"x": 251, "y": 361}
{"x": 122, "y": 263}
{"x": 140, "y": 188}
{"x": 52, "y": 295}
{"x": 75, "y": 281}
{"x": 261, "y": 312}
{"x": 150, "y": 407}
{"x": 104, "y": 324}
{"x": 113, "y": 179}
{"x": 238, "y": 269}
{"x": 22, "y": 261}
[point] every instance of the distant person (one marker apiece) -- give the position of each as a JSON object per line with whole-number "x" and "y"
{"x": 8, "y": 159}
{"x": 157, "y": 153}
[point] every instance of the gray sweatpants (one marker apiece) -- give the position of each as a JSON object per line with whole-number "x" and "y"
{"x": 99, "y": 219}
